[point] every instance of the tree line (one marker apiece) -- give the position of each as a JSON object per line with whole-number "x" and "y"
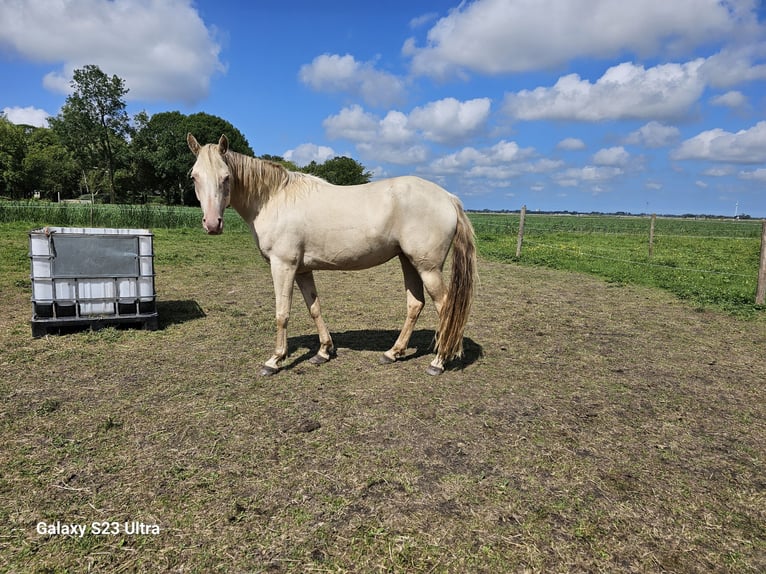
{"x": 93, "y": 147}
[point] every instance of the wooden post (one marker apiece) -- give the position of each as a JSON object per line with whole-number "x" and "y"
{"x": 651, "y": 235}
{"x": 760, "y": 292}
{"x": 520, "y": 239}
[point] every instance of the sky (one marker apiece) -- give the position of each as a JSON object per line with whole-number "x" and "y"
{"x": 642, "y": 106}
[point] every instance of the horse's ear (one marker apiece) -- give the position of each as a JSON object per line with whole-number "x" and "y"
{"x": 193, "y": 143}
{"x": 223, "y": 144}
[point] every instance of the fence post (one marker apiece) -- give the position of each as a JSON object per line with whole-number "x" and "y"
{"x": 760, "y": 292}
{"x": 520, "y": 239}
{"x": 651, "y": 235}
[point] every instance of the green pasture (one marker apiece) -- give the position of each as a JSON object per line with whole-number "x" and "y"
{"x": 707, "y": 262}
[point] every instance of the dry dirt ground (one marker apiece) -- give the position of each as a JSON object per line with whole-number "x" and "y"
{"x": 591, "y": 427}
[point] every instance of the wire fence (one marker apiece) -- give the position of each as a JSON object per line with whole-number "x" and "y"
{"x": 616, "y": 225}
{"x": 707, "y": 261}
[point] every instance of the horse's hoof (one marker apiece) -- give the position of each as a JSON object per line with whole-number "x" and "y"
{"x": 267, "y": 371}
{"x": 386, "y": 360}
{"x": 434, "y": 371}
{"x": 318, "y": 359}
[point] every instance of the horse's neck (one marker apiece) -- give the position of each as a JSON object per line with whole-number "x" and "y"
{"x": 247, "y": 211}
{"x": 255, "y": 182}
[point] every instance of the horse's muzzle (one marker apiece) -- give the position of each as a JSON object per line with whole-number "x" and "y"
{"x": 214, "y": 227}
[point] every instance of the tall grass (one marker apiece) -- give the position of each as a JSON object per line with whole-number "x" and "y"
{"x": 149, "y": 216}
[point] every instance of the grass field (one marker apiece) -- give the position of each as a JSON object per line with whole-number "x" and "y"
{"x": 592, "y": 427}
{"x": 707, "y": 262}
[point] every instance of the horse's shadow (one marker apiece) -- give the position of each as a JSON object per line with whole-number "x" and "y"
{"x": 380, "y": 340}
{"x": 177, "y": 312}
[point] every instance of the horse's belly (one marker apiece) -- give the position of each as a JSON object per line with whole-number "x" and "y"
{"x": 349, "y": 257}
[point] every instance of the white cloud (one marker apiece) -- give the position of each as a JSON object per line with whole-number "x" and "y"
{"x": 733, "y": 66}
{"x": 717, "y": 172}
{"x": 505, "y": 151}
{"x": 162, "y": 50}
{"x": 457, "y": 162}
{"x": 389, "y": 139}
{"x": 625, "y": 91}
{"x": 571, "y": 144}
{"x": 587, "y": 174}
{"x": 701, "y": 184}
{"x": 598, "y": 173}
{"x": 395, "y": 128}
{"x": 758, "y": 175}
{"x": 614, "y": 156}
{"x": 450, "y": 120}
{"x": 398, "y": 154}
{"x": 544, "y": 165}
{"x": 732, "y": 99}
{"x": 424, "y": 19}
{"x": 502, "y": 161}
{"x": 497, "y": 36}
{"x": 335, "y": 73}
{"x": 565, "y": 181}
{"x": 744, "y": 146}
{"x": 653, "y": 135}
{"x": 30, "y": 116}
{"x": 393, "y": 137}
{"x": 352, "y": 124}
{"x": 304, "y": 154}
{"x": 494, "y": 172}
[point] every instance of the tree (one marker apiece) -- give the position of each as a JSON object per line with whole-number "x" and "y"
{"x": 340, "y": 171}
{"x": 286, "y": 163}
{"x": 12, "y": 151}
{"x": 162, "y": 156}
{"x": 48, "y": 166}
{"x": 208, "y": 129}
{"x": 93, "y": 123}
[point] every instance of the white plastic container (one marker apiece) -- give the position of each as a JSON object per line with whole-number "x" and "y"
{"x": 90, "y": 276}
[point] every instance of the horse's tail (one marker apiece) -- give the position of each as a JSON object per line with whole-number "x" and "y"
{"x": 454, "y": 313}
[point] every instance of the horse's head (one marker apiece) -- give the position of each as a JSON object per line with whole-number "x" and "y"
{"x": 211, "y": 181}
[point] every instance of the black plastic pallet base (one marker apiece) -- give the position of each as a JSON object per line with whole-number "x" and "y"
{"x": 41, "y": 328}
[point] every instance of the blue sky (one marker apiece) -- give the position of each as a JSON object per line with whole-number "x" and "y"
{"x": 583, "y": 105}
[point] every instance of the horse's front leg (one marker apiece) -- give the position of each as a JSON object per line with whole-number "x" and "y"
{"x": 308, "y": 289}
{"x": 283, "y": 275}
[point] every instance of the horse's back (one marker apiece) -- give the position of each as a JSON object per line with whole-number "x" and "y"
{"x": 360, "y": 226}
{"x": 419, "y": 213}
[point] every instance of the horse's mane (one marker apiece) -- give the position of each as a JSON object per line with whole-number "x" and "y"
{"x": 264, "y": 179}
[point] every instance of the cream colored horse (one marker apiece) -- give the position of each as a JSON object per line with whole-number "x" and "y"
{"x": 302, "y": 223}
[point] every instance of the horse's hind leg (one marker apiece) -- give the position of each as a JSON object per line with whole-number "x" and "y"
{"x": 308, "y": 288}
{"x": 415, "y": 301}
{"x": 437, "y": 289}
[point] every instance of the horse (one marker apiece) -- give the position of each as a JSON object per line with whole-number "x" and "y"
{"x": 302, "y": 223}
